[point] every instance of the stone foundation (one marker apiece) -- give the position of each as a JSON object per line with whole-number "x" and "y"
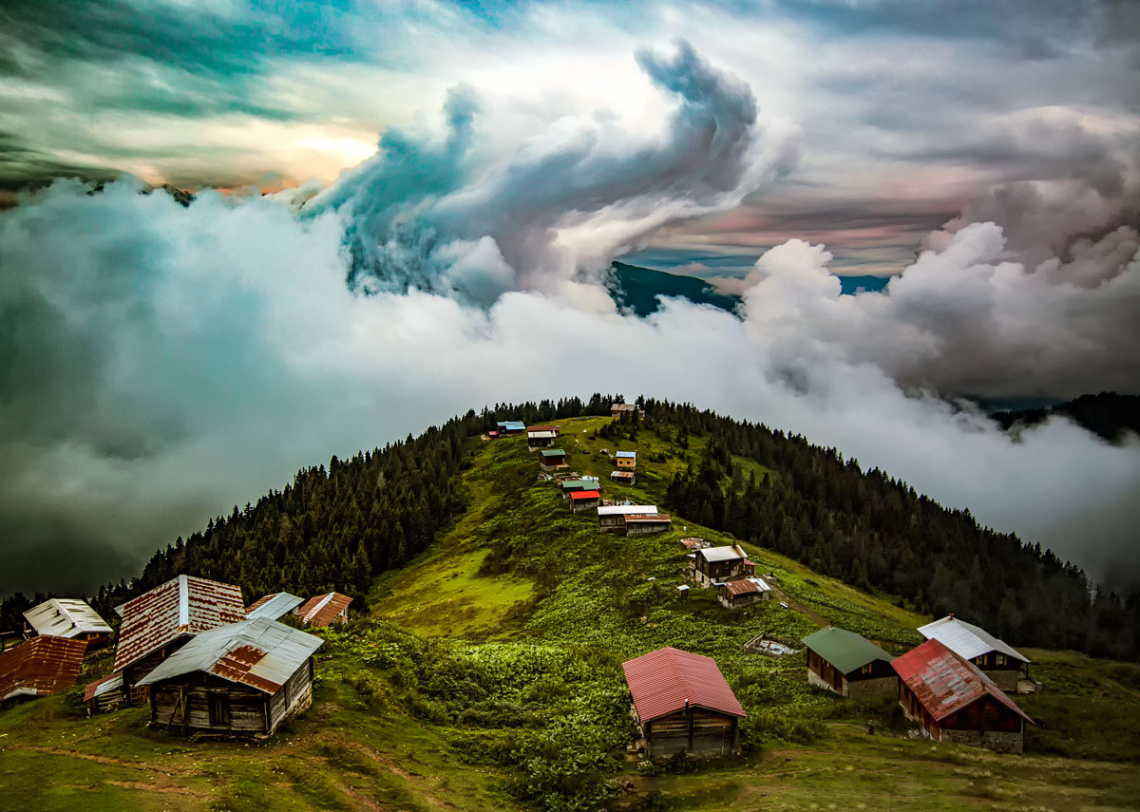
{"x": 818, "y": 681}
{"x": 872, "y": 688}
{"x": 1005, "y": 679}
{"x": 994, "y": 740}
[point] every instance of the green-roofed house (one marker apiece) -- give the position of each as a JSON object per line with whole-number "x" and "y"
{"x": 849, "y": 664}
{"x": 553, "y": 459}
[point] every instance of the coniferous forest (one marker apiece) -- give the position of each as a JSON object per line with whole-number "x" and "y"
{"x": 337, "y": 526}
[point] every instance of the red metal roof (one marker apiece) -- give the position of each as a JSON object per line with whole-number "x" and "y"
{"x": 184, "y": 605}
{"x": 42, "y": 666}
{"x": 665, "y": 681}
{"x": 323, "y": 609}
{"x": 577, "y": 496}
{"x": 944, "y": 683}
{"x": 261, "y": 602}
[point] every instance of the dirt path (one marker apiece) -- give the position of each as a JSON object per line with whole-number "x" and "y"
{"x": 782, "y": 596}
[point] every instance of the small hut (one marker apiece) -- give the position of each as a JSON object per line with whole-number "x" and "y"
{"x": 553, "y": 459}
{"x": 626, "y": 460}
{"x": 743, "y": 592}
{"x": 324, "y": 610}
{"x": 104, "y": 695}
{"x": 70, "y": 618}
{"x": 41, "y": 666}
{"x": 581, "y": 501}
{"x": 998, "y": 660}
{"x": 624, "y": 477}
{"x": 682, "y": 704}
{"x": 849, "y": 664}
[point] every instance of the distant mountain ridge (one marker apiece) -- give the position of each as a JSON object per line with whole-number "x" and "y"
{"x": 1109, "y": 415}
{"x": 637, "y": 289}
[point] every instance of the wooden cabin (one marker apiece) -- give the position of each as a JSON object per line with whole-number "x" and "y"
{"x": 243, "y": 679}
{"x": 625, "y": 460}
{"x": 648, "y": 524}
{"x": 70, "y": 618}
{"x": 541, "y": 437}
{"x": 682, "y": 704}
{"x": 713, "y": 565}
{"x": 624, "y": 477}
{"x": 41, "y": 666}
{"x": 620, "y": 409}
{"x": 612, "y": 517}
{"x": 849, "y": 664}
{"x": 743, "y": 592}
{"x": 552, "y": 459}
{"x": 159, "y": 622}
{"x": 954, "y": 701}
{"x": 274, "y": 606}
{"x": 581, "y": 501}
{"x": 324, "y": 610}
{"x": 104, "y": 695}
{"x": 509, "y": 428}
{"x": 998, "y": 660}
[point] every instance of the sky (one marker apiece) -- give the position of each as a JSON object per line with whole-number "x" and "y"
{"x": 405, "y": 210}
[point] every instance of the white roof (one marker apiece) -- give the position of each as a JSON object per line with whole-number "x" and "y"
{"x": 721, "y": 553}
{"x": 627, "y": 510}
{"x": 967, "y": 640}
{"x": 278, "y": 605}
{"x": 541, "y": 435}
{"x": 277, "y": 651}
{"x": 65, "y": 617}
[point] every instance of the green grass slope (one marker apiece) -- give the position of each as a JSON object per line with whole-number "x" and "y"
{"x": 487, "y": 675}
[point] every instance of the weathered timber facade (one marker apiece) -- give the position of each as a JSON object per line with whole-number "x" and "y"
{"x": 693, "y": 731}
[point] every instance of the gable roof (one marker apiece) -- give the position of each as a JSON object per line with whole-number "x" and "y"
{"x": 668, "y": 680}
{"x": 109, "y": 684}
{"x": 65, "y": 617}
{"x": 627, "y": 510}
{"x": 626, "y": 454}
{"x": 845, "y": 650}
{"x": 260, "y": 653}
{"x": 579, "y": 496}
{"x": 274, "y": 606}
{"x": 748, "y": 586}
{"x": 586, "y": 483}
{"x": 323, "y": 609}
{"x": 553, "y": 429}
{"x": 967, "y": 640}
{"x": 945, "y": 683}
{"x": 553, "y": 452}
{"x": 40, "y": 667}
{"x": 512, "y": 425}
{"x": 184, "y": 605}
{"x": 727, "y": 553}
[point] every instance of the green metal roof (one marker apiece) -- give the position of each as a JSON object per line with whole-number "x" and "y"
{"x": 845, "y": 650}
{"x": 554, "y": 452}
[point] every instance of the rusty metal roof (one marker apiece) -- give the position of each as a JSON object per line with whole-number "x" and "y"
{"x": 110, "y": 683}
{"x": 669, "y": 680}
{"x": 65, "y": 617}
{"x": 260, "y": 653}
{"x": 274, "y": 606}
{"x": 747, "y": 586}
{"x": 323, "y": 609}
{"x": 944, "y": 683}
{"x": 42, "y": 666}
{"x": 184, "y": 605}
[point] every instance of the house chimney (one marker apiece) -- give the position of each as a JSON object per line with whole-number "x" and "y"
{"x": 951, "y": 615}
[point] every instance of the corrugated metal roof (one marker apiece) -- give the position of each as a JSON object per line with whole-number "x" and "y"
{"x": 589, "y": 483}
{"x": 260, "y": 653}
{"x": 553, "y": 452}
{"x": 664, "y": 681}
{"x": 274, "y": 606}
{"x": 844, "y": 649}
{"x": 41, "y": 666}
{"x": 107, "y": 685}
{"x": 751, "y": 586}
{"x": 626, "y": 510}
{"x": 626, "y": 454}
{"x": 728, "y": 553}
{"x": 323, "y": 609}
{"x": 184, "y": 605}
{"x": 512, "y": 425}
{"x": 541, "y": 435}
{"x": 622, "y": 475}
{"x": 65, "y": 617}
{"x": 554, "y": 429}
{"x": 945, "y": 683}
{"x": 966, "y": 639}
{"x": 579, "y": 496}
{"x": 652, "y": 518}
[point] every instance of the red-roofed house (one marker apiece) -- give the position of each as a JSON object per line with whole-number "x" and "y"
{"x": 324, "y": 610}
{"x": 584, "y": 500}
{"x": 41, "y": 666}
{"x": 954, "y": 701}
{"x": 683, "y": 704}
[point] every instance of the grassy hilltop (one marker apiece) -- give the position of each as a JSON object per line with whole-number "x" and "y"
{"x": 486, "y": 676}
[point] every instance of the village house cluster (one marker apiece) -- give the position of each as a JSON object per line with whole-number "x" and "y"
{"x": 191, "y": 648}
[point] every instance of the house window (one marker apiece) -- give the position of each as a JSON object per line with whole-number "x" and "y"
{"x": 867, "y": 669}
{"x": 220, "y": 709}
{"x": 999, "y": 659}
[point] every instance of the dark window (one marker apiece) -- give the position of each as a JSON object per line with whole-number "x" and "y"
{"x": 220, "y": 709}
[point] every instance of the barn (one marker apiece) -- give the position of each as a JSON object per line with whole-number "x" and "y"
{"x": 849, "y": 664}
{"x": 324, "y": 610}
{"x": 70, "y": 618}
{"x": 243, "y": 679}
{"x": 954, "y": 701}
{"x": 743, "y": 592}
{"x": 997, "y": 659}
{"x": 682, "y": 704}
{"x": 274, "y": 606}
{"x": 41, "y": 666}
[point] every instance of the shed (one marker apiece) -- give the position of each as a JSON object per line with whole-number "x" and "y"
{"x": 999, "y": 661}
{"x": 743, "y": 592}
{"x": 612, "y": 517}
{"x": 68, "y": 617}
{"x": 954, "y": 701}
{"x": 584, "y": 500}
{"x": 159, "y": 622}
{"x": 713, "y": 565}
{"x": 682, "y": 704}
{"x": 553, "y": 458}
{"x": 324, "y": 610}
{"x": 626, "y": 460}
{"x": 104, "y": 695}
{"x": 624, "y": 477}
{"x": 40, "y": 667}
{"x": 849, "y": 664}
{"x": 648, "y": 524}
{"x": 243, "y": 679}
{"x": 274, "y": 606}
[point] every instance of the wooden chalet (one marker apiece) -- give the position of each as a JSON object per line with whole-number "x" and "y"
{"x": 625, "y": 460}
{"x": 541, "y": 437}
{"x": 620, "y": 409}
{"x": 324, "y": 610}
{"x": 612, "y": 517}
{"x": 274, "y": 606}
{"x": 682, "y": 704}
{"x": 581, "y": 501}
{"x": 159, "y": 622}
{"x": 849, "y": 664}
{"x": 552, "y": 459}
{"x": 998, "y": 660}
{"x": 743, "y": 592}
{"x": 70, "y": 618}
{"x": 648, "y": 524}
{"x": 714, "y": 565}
{"x": 624, "y": 477}
{"x": 954, "y": 701}
{"x": 41, "y": 666}
{"x": 243, "y": 679}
